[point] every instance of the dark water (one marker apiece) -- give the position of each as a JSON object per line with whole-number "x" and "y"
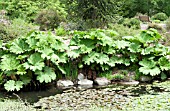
{"x": 31, "y": 96}
{"x": 34, "y": 96}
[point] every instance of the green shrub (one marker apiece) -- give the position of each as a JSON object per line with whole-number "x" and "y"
{"x": 28, "y": 9}
{"x": 97, "y": 51}
{"x": 106, "y": 74}
{"x": 156, "y": 21}
{"x": 22, "y": 9}
{"x": 159, "y": 16}
{"x": 60, "y": 31}
{"x": 35, "y": 57}
{"x": 49, "y": 19}
{"x": 118, "y": 76}
{"x": 168, "y": 24}
{"x": 132, "y": 22}
{"x": 155, "y": 26}
{"x": 123, "y": 30}
{"x": 167, "y": 39}
{"x": 16, "y": 28}
{"x": 41, "y": 56}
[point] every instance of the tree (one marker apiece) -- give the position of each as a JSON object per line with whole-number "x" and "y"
{"x": 96, "y": 10}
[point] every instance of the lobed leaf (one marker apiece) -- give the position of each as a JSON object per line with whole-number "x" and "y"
{"x": 90, "y": 58}
{"x": 19, "y": 46}
{"x": 121, "y": 44}
{"x": 147, "y": 63}
{"x": 12, "y": 85}
{"x": 134, "y": 47}
{"x": 164, "y": 63}
{"x": 101, "y": 59}
{"x": 46, "y": 76}
{"x": 35, "y": 62}
{"x": 9, "y": 62}
{"x": 152, "y": 71}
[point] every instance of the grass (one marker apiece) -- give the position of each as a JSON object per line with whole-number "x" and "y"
{"x": 15, "y": 105}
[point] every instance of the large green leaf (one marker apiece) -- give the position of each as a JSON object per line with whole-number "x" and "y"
{"x": 19, "y": 46}
{"x": 121, "y": 44}
{"x": 55, "y": 58}
{"x": 12, "y": 85}
{"x": 101, "y": 59}
{"x": 87, "y": 42}
{"x": 160, "y": 50}
{"x": 46, "y": 76}
{"x": 74, "y": 53}
{"x": 148, "y": 36}
{"x": 115, "y": 60}
{"x": 133, "y": 57}
{"x": 152, "y": 71}
{"x": 42, "y": 40}
{"x": 149, "y": 67}
{"x": 59, "y": 46}
{"x": 147, "y": 50}
{"x": 164, "y": 63}
{"x": 9, "y": 62}
{"x": 46, "y": 52}
{"x": 134, "y": 47}
{"x": 35, "y": 62}
{"x": 32, "y": 42}
{"x": 109, "y": 50}
{"x": 106, "y": 41}
{"x": 129, "y": 38}
{"x": 90, "y": 58}
{"x": 86, "y": 49}
{"x": 59, "y": 57}
{"x": 147, "y": 63}
{"x": 75, "y": 40}
{"x": 21, "y": 70}
{"x": 86, "y": 45}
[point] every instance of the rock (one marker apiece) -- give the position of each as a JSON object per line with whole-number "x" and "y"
{"x": 81, "y": 76}
{"x": 145, "y": 78}
{"x": 64, "y": 83}
{"x": 129, "y": 83}
{"x": 83, "y": 87}
{"x": 85, "y": 82}
{"x": 102, "y": 81}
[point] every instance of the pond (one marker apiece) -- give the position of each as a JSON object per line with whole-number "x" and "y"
{"x": 144, "y": 97}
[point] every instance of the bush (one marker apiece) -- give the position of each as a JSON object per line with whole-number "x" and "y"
{"x": 168, "y": 24}
{"x": 156, "y": 21}
{"x": 133, "y": 22}
{"x": 18, "y": 27}
{"x": 123, "y": 30}
{"x": 99, "y": 52}
{"x": 28, "y": 9}
{"x": 36, "y": 57}
{"x": 49, "y": 19}
{"x": 60, "y": 31}
{"x": 155, "y": 26}
{"x": 118, "y": 76}
{"x": 167, "y": 39}
{"x": 22, "y": 9}
{"x": 159, "y": 16}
